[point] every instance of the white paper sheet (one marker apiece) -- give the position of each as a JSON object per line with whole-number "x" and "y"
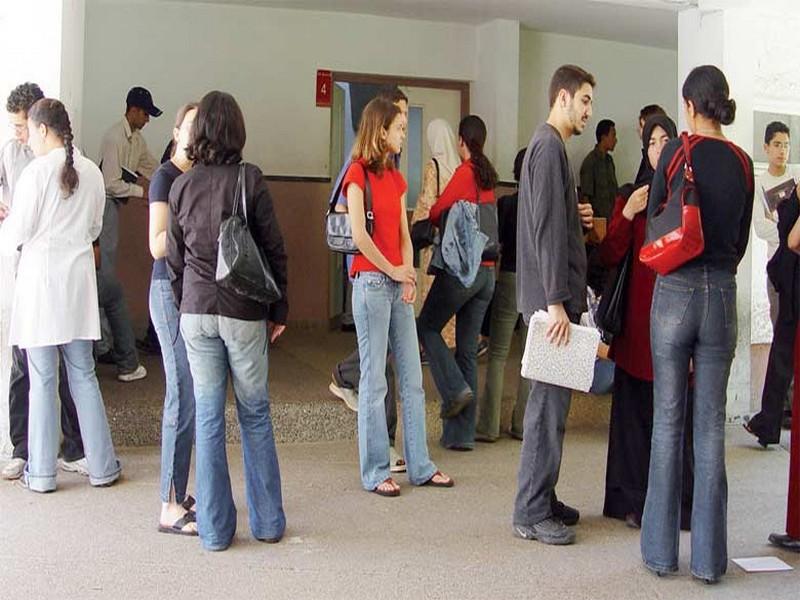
{"x": 570, "y": 366}
{"x": 762, "y": 564}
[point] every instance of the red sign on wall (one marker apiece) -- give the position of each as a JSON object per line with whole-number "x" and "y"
{"x": 324, "y": 88}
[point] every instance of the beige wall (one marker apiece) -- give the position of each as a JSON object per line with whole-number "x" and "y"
{"x": 267, "y": 58}
{"x": 628, "y": 77}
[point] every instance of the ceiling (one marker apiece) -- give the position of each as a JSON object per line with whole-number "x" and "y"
{"x": 645, "y": 22}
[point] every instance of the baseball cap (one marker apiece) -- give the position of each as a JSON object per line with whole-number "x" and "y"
{"x": 142, "y": 98}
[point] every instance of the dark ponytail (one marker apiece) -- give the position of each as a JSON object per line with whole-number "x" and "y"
{"x": 472, "y": 131}
{"x": 707, "y": 89}
{"x": 53, "y": 115}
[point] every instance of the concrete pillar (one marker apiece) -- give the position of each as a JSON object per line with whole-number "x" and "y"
{"x": 73, "y": 28}
{"x": 706, "y": 37}
{"x": 726, "y": 34}
{"x": 53, "y": 58}
{"x": 495, "y": 91}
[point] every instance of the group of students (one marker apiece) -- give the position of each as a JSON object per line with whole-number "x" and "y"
{"x": 672, "y": 359}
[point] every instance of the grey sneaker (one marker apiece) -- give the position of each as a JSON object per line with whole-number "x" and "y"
{"x": 75, "y": 466}
{"x": 550, "y": 531}
{"x": 349, "y": 396}
{"x": 138, "y": 373}
{"x": 14, "y": 469}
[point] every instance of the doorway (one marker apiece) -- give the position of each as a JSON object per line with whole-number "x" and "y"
{"x": 428, "y": 99}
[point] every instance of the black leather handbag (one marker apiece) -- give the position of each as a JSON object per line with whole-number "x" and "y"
{"x": 338, "y": 231}
{"x": 241, "y": 265}
{"x": 610, "y": 316}
{"x": 423, "y": 232}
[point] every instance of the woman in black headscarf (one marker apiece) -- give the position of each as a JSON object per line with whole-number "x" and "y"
{"x": 632, "y": 401}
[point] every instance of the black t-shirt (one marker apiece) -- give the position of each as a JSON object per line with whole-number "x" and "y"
{"x": 507, "y": 222}
{"x": 723, "y": 176}
{"x": 160, "y": 185}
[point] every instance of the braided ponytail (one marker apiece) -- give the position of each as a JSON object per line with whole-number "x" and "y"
{"x": 53, "y": 115}
{"x": 472, "y": 130}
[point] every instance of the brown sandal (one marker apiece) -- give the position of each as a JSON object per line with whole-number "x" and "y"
{"x": 443, "y": 484}
{"x": 392, "y": 493}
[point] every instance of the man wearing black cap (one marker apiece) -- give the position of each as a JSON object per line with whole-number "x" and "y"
{"x": 127, "y": 166}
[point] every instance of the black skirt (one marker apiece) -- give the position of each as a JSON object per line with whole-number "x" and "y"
{"x": 629, "y": 436}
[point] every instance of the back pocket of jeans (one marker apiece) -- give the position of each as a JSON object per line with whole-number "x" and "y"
{"x": 729, "y": 306}
{"x": 671, "y": 303}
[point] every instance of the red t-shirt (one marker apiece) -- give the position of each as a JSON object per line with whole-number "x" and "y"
{"x": 387, "y": 191}
{"x": 462, "y": 186}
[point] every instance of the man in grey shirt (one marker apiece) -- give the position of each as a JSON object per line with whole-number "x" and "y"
{"x": 551, "y": 276}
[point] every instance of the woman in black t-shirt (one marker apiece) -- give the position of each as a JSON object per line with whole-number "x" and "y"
{"x": 177, "y": 423}
{"x": 693, "y": 328}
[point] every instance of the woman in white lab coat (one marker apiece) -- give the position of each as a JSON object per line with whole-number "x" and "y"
{"x": 57, "y": 213}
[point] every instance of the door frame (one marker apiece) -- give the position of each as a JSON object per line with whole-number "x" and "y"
{"x": 427, "y": 82}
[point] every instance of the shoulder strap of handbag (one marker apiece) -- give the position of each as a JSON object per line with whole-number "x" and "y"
{"x": 683, "y": 156}
{"x": 688, "y": 171}
{"x": 241, "y": 192}
{"x": 368, "y": 213}
{"x": 436, "y": 164}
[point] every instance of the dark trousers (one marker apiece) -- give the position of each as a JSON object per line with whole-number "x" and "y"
{"x": 780, "y": 370}
{"x": 456, "y": 373}
{"x": 629, "y": 434}
{"x": 348, "y": 373}
{"x": 540, "y": 457}
{"x": 18, "y": 391}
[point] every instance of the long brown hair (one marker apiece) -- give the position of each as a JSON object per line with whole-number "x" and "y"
{"x": 53, "y": 115}
{"x": 472, "y": 131}
{"x": 182, "y": 112}
{"x": 378, "y": 115}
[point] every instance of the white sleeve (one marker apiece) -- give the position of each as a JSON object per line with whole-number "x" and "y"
{"x": 98, "y": 194}
{"x": 765, "y": 225}
{"x": 21, "y": 222}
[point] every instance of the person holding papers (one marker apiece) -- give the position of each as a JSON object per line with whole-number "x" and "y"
{"x": 772, "y": 188}
{"x": 551, "y": 276}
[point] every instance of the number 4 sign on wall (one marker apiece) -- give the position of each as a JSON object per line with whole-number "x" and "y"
{"x": 324, "y": 88}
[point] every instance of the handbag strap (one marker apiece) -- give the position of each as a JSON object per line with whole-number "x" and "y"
{"x": 688, "y": 171}
{"x": 368, "y": 212}
{"x": 438, "y": 188}
{"x": 242, "y": 185}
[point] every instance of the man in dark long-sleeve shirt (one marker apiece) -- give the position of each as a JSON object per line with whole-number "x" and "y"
{"x": 551, "y": 276}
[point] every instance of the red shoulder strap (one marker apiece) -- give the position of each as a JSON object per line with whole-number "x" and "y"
{"x": 743, "y": 158}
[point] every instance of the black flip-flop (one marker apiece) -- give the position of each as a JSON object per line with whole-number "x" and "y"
{"x": 177, "y": 527}
{"x": 442, "y": 484}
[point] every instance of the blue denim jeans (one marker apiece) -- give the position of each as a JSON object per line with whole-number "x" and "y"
{"x": 693, "y": 318}
{"x": 453, "y": 374}
{"x": 177, "y": 422}
{"x": 40, "y": 472}
{"x": 216, "y": 346}
{"x": 383, "y": 320}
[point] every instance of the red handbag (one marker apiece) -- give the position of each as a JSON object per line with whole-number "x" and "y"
{"x": 675, "y": 232}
